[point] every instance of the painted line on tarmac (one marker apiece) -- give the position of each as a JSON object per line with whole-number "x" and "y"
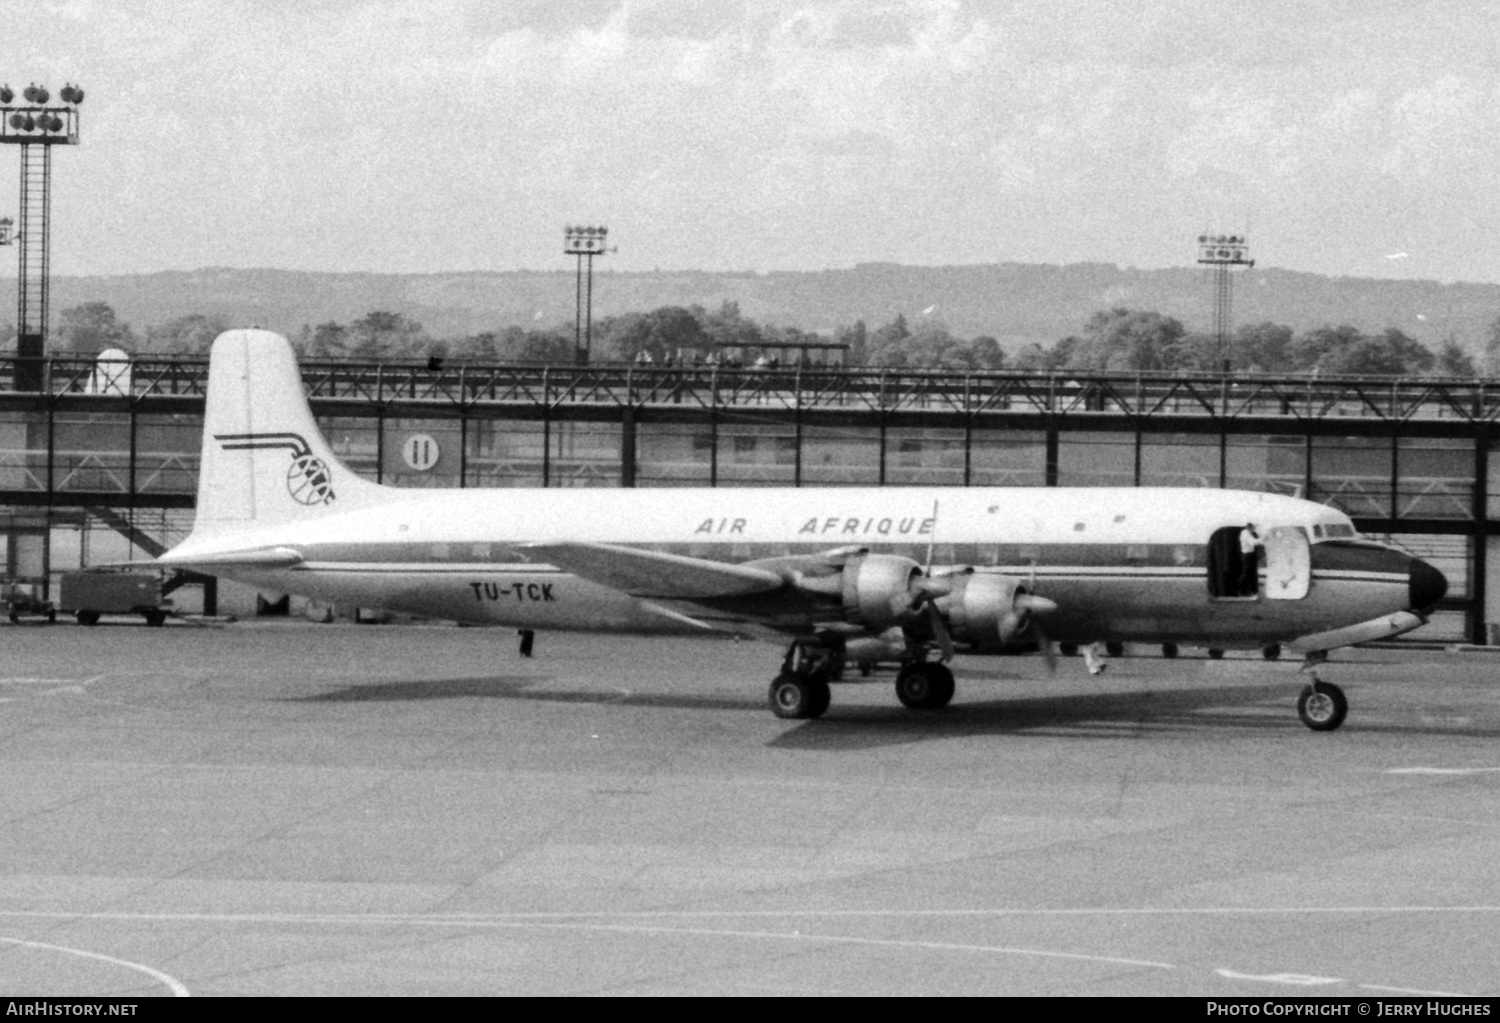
{"x": 1443, "y": 770}
{"x": 178, "y": 989}
{"x": 524, "y": 921}
{"x": 698, "y": 914}
{"x": 1299, "y": 979}
{"x": 1308, "y": 980}
{"x": 1410, "y": 991}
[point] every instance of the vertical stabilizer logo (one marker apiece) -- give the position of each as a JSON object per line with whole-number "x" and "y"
{"x": 308, "y": 479}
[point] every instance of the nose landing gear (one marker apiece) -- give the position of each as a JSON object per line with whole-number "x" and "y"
{"x": 1322, "y": 705}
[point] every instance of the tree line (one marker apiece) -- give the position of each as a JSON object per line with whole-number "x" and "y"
{"x": 1119, "y": 339}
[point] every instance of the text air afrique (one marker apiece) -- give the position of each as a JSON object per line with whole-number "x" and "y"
{"x": 834, "y": 524}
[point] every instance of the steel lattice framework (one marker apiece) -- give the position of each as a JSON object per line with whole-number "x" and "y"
{"x": 1133, "y": 397}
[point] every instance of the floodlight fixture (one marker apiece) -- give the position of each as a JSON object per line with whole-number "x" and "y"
{"x": 1224, "y": 250}
{"x": 33, "y": 120}
{"x": 584, "y": 241}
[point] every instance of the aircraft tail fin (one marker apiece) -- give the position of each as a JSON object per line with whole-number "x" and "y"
{"x": 264, "y": 460}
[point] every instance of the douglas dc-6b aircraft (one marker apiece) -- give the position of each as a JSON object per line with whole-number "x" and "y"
{"x": 902, "y": 573}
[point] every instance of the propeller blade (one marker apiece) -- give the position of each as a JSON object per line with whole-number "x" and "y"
{"x": 940, "y": 631}
{"x": 1045, "y": 646}
{"x": 1030, "y": 602}
{"x": 931, "y": 538}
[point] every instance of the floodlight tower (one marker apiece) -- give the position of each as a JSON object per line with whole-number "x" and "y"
{"x": 1222, "y": 251}
{"x": 585, "y": 243}
{"x": 36, "y": 127}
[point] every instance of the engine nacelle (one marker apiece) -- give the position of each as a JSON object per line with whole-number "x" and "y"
{"x": 983, "y": 609}
{"x": 877, "y": 589}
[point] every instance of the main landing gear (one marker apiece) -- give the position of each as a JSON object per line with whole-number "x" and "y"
{"x": 924, "y": 685}
{"x": 801, "y": 690}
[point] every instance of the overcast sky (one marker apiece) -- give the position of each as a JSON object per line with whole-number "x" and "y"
{"x": 1353, "y": 138}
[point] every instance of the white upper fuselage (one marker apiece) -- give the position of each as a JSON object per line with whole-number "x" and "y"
{"x": 717, "y": 520}
{"x": 1120, "y": 562}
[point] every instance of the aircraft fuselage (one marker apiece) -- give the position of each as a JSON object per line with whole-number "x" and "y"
{"x": 1122, "y": 564}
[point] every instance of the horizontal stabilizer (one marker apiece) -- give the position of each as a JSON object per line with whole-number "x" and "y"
{"x": 651, "y": 573}
{"x": 270, "y": 557}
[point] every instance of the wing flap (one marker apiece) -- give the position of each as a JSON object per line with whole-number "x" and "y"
{"x": 642, "y": 573}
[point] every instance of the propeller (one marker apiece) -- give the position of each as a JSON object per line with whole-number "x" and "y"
{"x": 925, "y": 591}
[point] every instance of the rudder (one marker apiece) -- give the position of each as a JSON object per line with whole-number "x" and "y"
{"x": 264, "y": 460}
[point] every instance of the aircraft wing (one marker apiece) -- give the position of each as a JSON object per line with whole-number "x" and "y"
{"x": 653, "y": 574}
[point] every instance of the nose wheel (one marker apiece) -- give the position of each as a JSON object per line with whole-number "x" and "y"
{"x": 1322, "y": 706}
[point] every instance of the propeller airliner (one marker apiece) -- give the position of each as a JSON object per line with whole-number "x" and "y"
{"x": 840, "y": 575}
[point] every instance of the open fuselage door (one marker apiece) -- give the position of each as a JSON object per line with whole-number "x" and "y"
{"x": 1283, "y": 562}
{"x": 1288, "y": 560}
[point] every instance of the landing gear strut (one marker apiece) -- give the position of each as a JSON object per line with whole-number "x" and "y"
{"x": 801, "y": 690}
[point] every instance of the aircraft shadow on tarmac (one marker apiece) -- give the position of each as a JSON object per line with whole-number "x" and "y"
{"x": 1121, "y": 714}
{"x": 1125, "y": 714}
{"x": 1118, "y": 715}
{"x": 523, "y": 687}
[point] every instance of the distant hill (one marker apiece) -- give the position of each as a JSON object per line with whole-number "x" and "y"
{"x": 1014, "y": 302}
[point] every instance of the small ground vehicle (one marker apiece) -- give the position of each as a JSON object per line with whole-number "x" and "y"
{"x": 22, "y": 599}
{"x": 87, "y": 595}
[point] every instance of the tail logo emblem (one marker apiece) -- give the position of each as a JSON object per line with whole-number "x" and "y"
{"x": 308, "y": 479}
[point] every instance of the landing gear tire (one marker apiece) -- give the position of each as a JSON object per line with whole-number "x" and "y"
{"x": 798, "y": 697}
{"x": 1215, "y": 653}
{"x": 155, "y": 618}
{"x": 1169, "y": 650}
{"x": 927, "y": 686}
{"x": 1115, "y": 649}
{"x": 1272, "y": 652}
{"x": 1068, "y": 649}
{"x": 1322, "y": 706}
{"x": 87, "y": 617}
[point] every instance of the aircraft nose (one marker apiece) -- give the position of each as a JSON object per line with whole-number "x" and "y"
{"x": 1426, "y": 585}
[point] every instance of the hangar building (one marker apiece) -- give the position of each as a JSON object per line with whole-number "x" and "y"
{"x": 98, "y": 459}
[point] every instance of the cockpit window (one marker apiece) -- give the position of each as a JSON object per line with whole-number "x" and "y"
{"x": 1336, "y": 531}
